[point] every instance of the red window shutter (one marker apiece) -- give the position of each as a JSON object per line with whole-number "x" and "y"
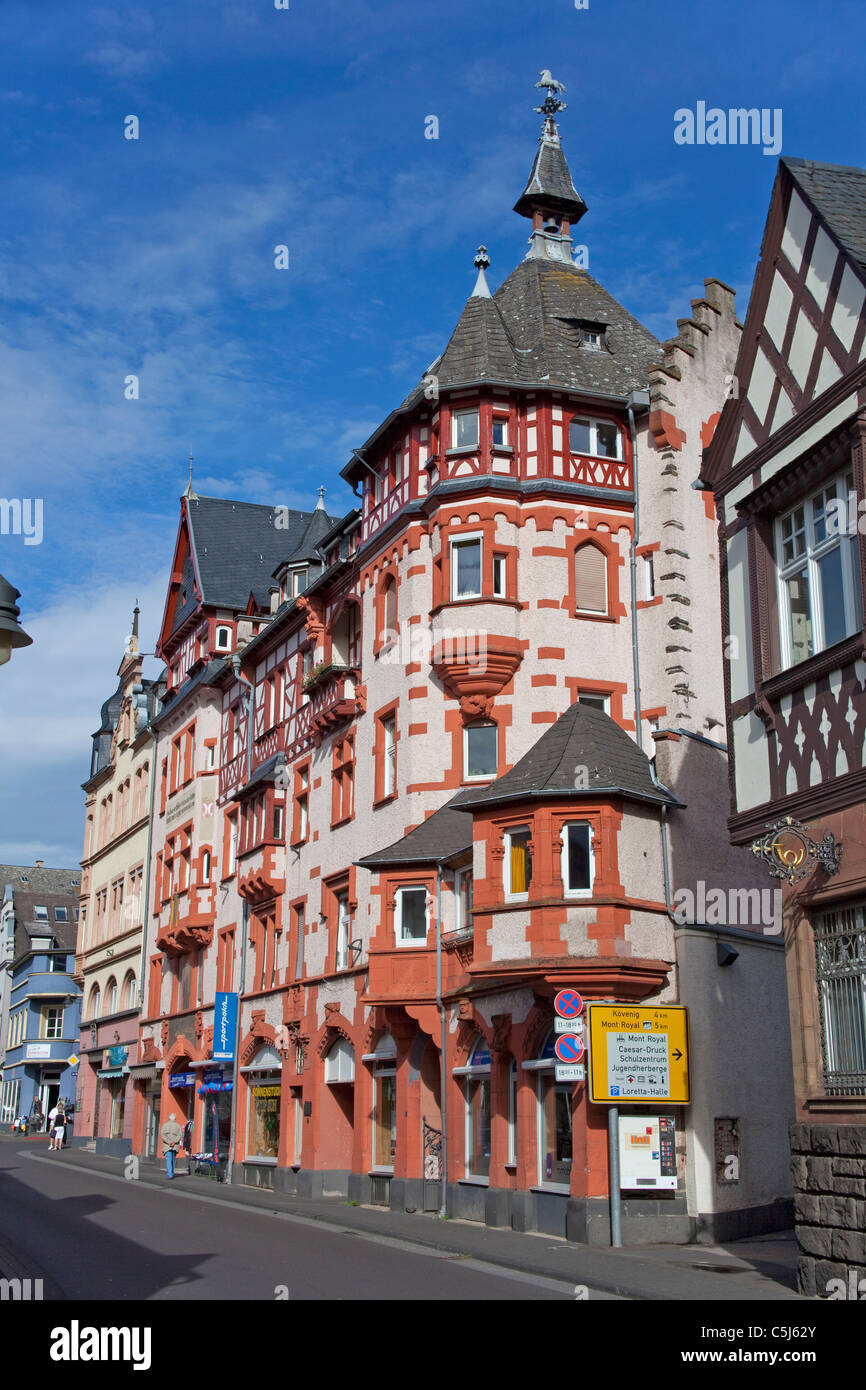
{"x": 590, "y": 579}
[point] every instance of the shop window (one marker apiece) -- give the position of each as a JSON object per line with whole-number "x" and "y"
{"x": 298, "y": 1125}
{"x": 818, "y": 572}
{"x": 466, "y": 568}
{"x": 340, "y": 1063}
{"x": 577, "y": 859}
{"x": 263, "y": 1124}
{"x": 590, "y": 579}
{"x": 480, "y": 750}
{"x": 477, "y": 1111}
{"x": 410, "y": 918}
{"x": 385, "y": 1103}
{"x": 464, "y": 429}
{"x": 555, "y": 1143}
{"x": 512, "y": 1115}
{"x": 517, "y": 863}
{"x": 840, "y": 948}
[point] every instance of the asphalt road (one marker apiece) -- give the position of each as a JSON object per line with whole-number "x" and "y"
{"x": 95, "y": 1236}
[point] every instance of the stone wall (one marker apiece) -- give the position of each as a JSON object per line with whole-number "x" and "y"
{"x": 829, "y": 1172}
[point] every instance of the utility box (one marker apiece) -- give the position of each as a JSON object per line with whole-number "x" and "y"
{"x": 647, "y": 1153}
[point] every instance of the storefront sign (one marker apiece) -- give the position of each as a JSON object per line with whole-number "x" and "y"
{"x": 114, "y": 1056}
{"x": 267, "y": 1090}
{"x": 225, "y": 1027}
{"x": 211, "y": 1075}
{"x": 181, "y": 1078}
{"x": 37, "y": 1051}
{"x": 179, "y": 807}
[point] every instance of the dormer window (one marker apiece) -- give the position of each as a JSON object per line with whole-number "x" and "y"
{"x": 223, "y": 638}
{"x": 297, "y": 581}
{"x": 592, "y": 336}
{"x": 599, "y": 437}
{"x": 465, "y": 429}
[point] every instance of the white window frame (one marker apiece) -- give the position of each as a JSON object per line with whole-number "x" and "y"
{"x": 499, "y": 420}
{"x": 40, "y": 914}
{"x": 563, "y": 859}
{"x": 649, "y": 579}
{"x": 506, "y": 862}
{"x": 587, "y": 697}
{"x": 462, "y": 414}
{"x": 462, "y": 921}
{"x": 479, "y": 776}
{"x": 205, "y": 866}
{"x": 474, "y": 538}
{"x": 298, "y": 581}
{"x": 410, "y": 941}
{"x": 389, "y": 754}
{"x": 837, "y": 536}
{"x": 337, "y": 1060}
{"x": 223, "y": 628}
{"x": 57, "y": 1011}
{"x": 500, "y": 576}
{"x": 474, "y": 1074}
{"x": 593, "y": 424}
{"x": 343, "y": 920}
{"x": 233, "y": 845}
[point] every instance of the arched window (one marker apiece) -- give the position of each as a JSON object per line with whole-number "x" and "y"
{"x": 590, "y": 579}
{"x": 477, "y": 1110}
{"x": 129, "y": 991}
{"x": 93, "y": 1003}
{"x": 388, "y": 608}
{"x": 340, "y": 1063}
{"x": 111, "y": 996}
{"x": 223, "y": 638}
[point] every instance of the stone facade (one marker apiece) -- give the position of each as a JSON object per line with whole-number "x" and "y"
{"x": 829, "y": 1170}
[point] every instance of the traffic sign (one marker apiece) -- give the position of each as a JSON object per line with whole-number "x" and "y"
{"x": 568, "y": 1003}
{"x": 569, "y": 1047}
{"x": 568, "y": 1025}
{"x": 72, "y": 1061}
{"x": 566, "y": 1072}
{"x": 639, "y": 1054}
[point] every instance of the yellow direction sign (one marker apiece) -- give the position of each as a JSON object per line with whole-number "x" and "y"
{"x": 639, "y": 1054}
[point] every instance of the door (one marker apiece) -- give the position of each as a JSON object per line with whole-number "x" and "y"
{"x": 152, "y": 1124}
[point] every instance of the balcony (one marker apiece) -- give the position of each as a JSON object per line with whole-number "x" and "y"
{"x": 335, "y": 695}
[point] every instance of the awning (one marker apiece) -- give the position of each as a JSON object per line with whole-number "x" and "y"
{"x": 143, "y": 1073}
{"x": 112, "y": 1073}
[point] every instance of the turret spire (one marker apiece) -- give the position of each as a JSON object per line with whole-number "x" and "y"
{"x": 550, "y": 197}
{"x": 481, "y": 262}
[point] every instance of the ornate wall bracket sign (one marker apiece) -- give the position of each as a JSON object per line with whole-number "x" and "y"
{"x": 790, "y": 853}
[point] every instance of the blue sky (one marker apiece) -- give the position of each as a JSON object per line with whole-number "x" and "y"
{"x": 305, "y": 127}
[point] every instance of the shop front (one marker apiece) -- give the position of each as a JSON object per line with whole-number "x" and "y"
{"x": 262, "y": 1129}
{"x": 215, "y": 1093}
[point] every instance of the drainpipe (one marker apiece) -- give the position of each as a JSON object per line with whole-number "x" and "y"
{"x": 145, "y": 917}
{"x": 245, "y": 921}
{"x": 443, "y": 1070}
{"x": 663, "y": 827}
{"x": 639, "y": 400}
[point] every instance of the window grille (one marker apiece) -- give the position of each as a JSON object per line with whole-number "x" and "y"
{"x": 840, "y": 947}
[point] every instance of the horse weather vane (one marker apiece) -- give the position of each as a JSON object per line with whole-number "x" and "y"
{"x": 790, "y": 853}
{"x": 551, "y": 104}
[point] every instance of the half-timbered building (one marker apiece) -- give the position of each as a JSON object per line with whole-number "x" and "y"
{"x": 787, "y": 466}
{"x": 483, "y": 763}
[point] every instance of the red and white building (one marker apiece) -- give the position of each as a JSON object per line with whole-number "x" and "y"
{"x": 479, "y": 762}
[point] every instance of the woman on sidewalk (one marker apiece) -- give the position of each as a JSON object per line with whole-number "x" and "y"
{"x": 59, "y": 1130}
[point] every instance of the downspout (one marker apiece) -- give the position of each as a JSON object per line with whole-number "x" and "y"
{"x": 636, "y": 399}
{"x": 663, "y": 826}
{"x": 245, "y": 921}
{"x": 146, "y": 916}
{"x": 443, "y": 1070}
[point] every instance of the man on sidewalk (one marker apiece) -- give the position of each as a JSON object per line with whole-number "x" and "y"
{"x": 171, "y": 1134}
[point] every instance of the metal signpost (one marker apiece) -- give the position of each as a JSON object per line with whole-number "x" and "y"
{"x": 636, "y": 1054}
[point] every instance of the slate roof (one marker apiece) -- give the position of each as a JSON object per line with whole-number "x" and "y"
{"x": 237, "y": 548}
{"x": 264, "y": 773}
{"x": 550, "y": 184}
{"x": 206, "y": 676}
{"x": 582, "y": 737}
{"x": 446, "y": 833}
{"x": 317, "y": 527}
{"x": 838, "y": 192}
{"x": 62, "y": 883}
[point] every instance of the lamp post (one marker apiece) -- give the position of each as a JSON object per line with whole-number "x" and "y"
{"x": 12, "y": 633}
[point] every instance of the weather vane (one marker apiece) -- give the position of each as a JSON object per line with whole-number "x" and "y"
{"x": 551, "y": 104}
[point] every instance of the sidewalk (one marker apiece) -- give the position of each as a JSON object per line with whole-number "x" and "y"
{"x": 760, "y": 1270}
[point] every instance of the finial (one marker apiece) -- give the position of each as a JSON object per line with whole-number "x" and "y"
{"x": 551, "y": 104}
{"x": 320, "y": 505}
{"x": 481, "y": 261}
{"x": 190, "y": 492}
{"x": 135, "y": 612}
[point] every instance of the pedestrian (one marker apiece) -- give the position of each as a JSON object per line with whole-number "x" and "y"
{"x": 52, "y": 1117}
{"x": 171, "y": 1134}
{"x": 58, "y": 1132}
{"x": 187, "y": 1144}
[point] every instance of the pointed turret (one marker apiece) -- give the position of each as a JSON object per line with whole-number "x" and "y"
{"x": 550, "y": 197}
{"x": 318, "y": 526}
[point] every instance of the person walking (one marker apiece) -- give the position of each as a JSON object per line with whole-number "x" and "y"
{"x": 187, "y": 1145}
{"x": 52, "y": 1119}
{"x": 58, "y": 1130}
{"x": 171, "y": 1134}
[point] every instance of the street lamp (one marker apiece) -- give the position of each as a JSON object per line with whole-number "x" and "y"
{"x": 11, "y": 633}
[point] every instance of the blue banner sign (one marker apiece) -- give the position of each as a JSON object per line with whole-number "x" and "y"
{"x": 181, "y": 1078}
{"x": 225, "y": 1021}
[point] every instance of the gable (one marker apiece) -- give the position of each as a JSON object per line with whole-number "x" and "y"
{"x": 804, "y": 329}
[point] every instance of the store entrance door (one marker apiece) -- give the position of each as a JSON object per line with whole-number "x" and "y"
{"x": 153, "y": 1101}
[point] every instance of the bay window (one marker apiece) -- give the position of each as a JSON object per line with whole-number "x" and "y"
{"x": 466, "y": 568}
{"x": 464, "y": 426}
{"x": 601, "y": 438}
{"x": 410, "y": 917}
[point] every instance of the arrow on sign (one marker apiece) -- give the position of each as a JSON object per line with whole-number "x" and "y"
{"x": 677, "y": 1055}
